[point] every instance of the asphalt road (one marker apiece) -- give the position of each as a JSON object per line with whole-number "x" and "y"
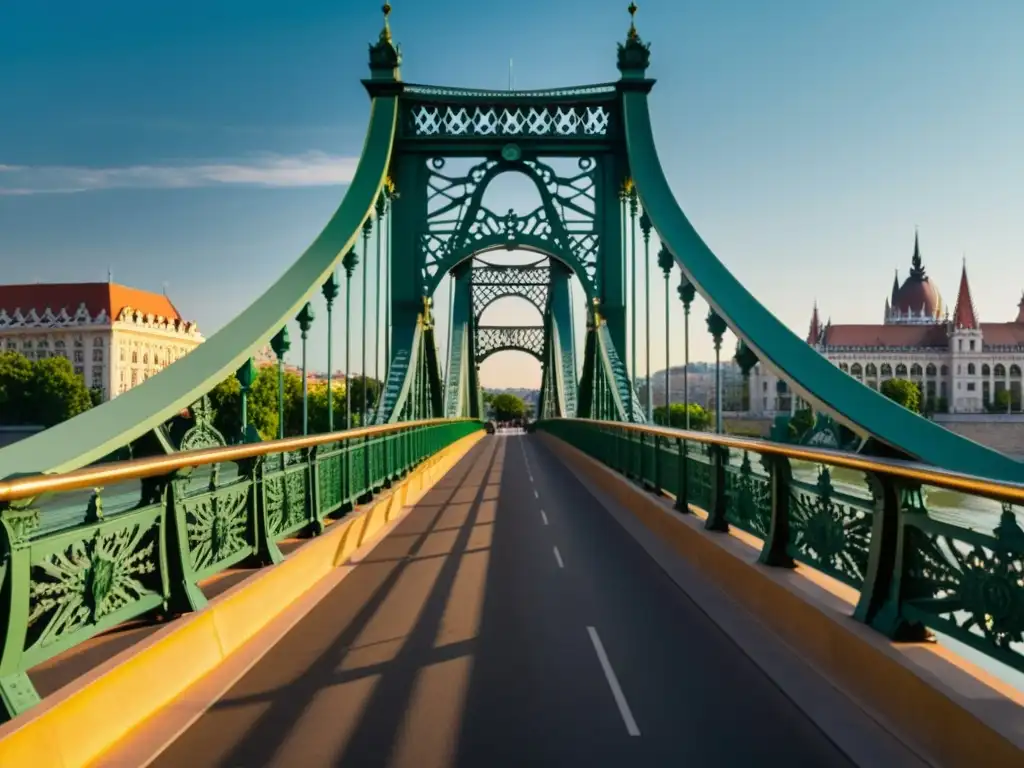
{"x": 508, "y": 621}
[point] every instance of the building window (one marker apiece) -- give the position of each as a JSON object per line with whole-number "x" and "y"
{"x": 11, "y": 345}
{"x": 97, "y": 377}
{"x": 1000, "y": 369}
{"x": 135, "y": 356}
{"x": 97, "y": 355}
{"x": 970, "y": 369}
{"x": 27, "y": 344}
{"x": 79, "y": 356}
{"x": 59, "y": 344}
{"x": 985, "y": 370}
{"x": 856, "y": 371}
{"x": 970, "y": 386}
{"x": 764, "y": 386}
{"x": 915, "y": 370}
{"x": 930, "y": 370}
{"x": 959, "y": 369}
{"x": 97, "y": 342}
{"x": 870, "y": 370}
{"x": 78, "y": 341}
{"x": 960, "y": 345}
{"x": 901, "y": 370}
{"x": 972, "y": 345}
{"x": 145, "y": 359}
{"x": 80, "y": 371}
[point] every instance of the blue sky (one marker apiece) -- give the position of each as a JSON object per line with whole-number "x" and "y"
{"x": 203, "y": 145}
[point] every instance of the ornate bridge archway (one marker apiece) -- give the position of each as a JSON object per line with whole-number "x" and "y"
{"x": 492, "y": 282}
{"x": 492, "y": 339}
{"x": 591, "y": 154}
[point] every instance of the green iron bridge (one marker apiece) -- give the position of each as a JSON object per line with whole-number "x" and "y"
{"x": 515, "y": 614}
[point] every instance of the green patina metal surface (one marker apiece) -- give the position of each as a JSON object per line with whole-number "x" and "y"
{"x": 816, "y": 379}
{"x": 915, "y": 568}
{"x": 71, "y": 571}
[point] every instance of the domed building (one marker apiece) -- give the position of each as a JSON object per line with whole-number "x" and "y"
{"x": 917, "y": 301}
{"x": 960, "y": 364}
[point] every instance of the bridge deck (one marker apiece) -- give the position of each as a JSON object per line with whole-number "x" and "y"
{"x": 508, "y": 620}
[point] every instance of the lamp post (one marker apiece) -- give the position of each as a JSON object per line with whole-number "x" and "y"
{"x": 330, "y": 289}
{"x": 665, "y": 261}
{"x": 280, "y": 344}
{"x": 305, "y": 321}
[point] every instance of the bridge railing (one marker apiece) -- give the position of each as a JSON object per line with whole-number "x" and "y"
{"x": 926, "y": 549}
{"x": 71, "y": 569}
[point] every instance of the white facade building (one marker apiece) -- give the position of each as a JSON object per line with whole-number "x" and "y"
{"x": 961, "y": 365}
{"x": 115, "y": 337}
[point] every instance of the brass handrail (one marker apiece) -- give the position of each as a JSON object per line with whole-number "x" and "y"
{"x": 921, "y": 473}
{"x": 97, "y": 476}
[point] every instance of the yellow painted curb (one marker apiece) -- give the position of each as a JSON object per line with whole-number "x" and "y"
{"x": 958, "y": 714}
{"x": 73, "y": 728}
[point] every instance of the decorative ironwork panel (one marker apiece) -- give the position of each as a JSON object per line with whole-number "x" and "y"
{"x": 285, "y": 499}
{"x": 699, "y": 481}
{"x": 85, "y": 580}
{"x": 491, "y": 282}
{"x": 512, "y": 121}
{"x": 218, "y": 527}
{"x": 459, "y": 226}
{"x": 492, "y": 338}
{"x": 329, "y": 480}
{"x": 830, "y": 531}
{"x": 967, "y": 584}
{"x": 749, "y": 504}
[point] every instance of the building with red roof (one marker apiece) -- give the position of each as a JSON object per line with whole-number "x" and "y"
{"x": 115, "y": 337}
{"x": 961, "y": 364}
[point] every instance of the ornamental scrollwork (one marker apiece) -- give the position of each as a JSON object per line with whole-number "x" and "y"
{"x": 490, "y": 283}
{"x": 972, "y": 585}
{"x": 217, "y": 524}
{"x": 202, "y": 434}
{"x": 492, "y": 338}
{"x": 91, "y": 578}
{"x": 286, "y": 501}
{"x": 749, "y": 499}
{"x": 509, "y": 121}
{"x": 830, "y": 535}
{"x": 459, "y": 225}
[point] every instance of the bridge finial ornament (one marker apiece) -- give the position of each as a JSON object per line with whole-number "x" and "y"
{"x": 385, "y": 56}
{"x": 634, "y": 54}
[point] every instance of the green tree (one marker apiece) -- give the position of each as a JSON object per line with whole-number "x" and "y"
{"x": 904, "y": 392}
{"x": 15, "y": 388}
{"x": 700, "y": 419}
{"x": 506, "y": 407}
{"x": 57, "y": 392}
{"x": 1004, "y": 400}
{"x": 226, "y": 401}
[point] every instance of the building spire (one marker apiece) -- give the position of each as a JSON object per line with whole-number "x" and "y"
{"x": 964, "y": 315}
{"x": 917, "y": 267}
{"x": 814, "y": 334}
{"x": 895, "y": 285}
{"x": 1020, "y": 309}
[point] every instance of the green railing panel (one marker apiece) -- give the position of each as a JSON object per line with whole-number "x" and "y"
{"x": 916, "y": 569}
{"x": 65, "y": 580}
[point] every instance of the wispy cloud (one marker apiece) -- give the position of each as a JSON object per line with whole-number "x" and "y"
{"x": 311, "y": 169}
